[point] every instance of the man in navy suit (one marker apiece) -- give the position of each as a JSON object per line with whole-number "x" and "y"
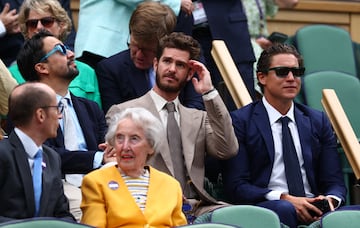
{"x": 257, "y": 174}
{"x": 12, "y": 41}
{"x": 44, "y": 58}
{"x": 35, "y": 112}
{"x": 129, "y": 74}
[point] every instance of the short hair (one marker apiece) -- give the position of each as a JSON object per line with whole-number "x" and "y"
{"x": 41, "y": 7}
{"x": 180, "y": 41}
{"x": 22, "y": 104}
{"x": 151, "y": 20}
{"x": 265, "y": 59}
{"x": 152, "y": 127}
{"x": 30, "y": 54}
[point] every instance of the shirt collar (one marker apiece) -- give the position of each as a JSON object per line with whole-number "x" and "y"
{"x": 29, "y": 145}
{"x": 160, "y": 102}
{"x": 274, "y": 114}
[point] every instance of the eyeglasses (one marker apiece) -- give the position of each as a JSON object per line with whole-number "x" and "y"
{"x": 47, "y": 22}
{"x": 145, "y": 51}
{"x": 60, "y": 107}
{"x": 58, "y": 47}
{"x": 283, "y": 72}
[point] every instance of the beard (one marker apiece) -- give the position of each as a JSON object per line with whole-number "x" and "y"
{"x": 72, "y": 73}
{"x": 170, "y": 88}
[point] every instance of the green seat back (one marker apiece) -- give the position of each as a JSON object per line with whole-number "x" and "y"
{"x": 209, "y": 225}
{"x": 347, "y": 88}
{"x": 246, "y": 216}
{"x": 326, "y": 47}
{"x": 42, "y": 223}
{"x": 343, "y": 218}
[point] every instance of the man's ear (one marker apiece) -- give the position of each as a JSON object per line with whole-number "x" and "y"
{"x": 40, "y": 115}
{"x": 261, "y": 78}
{"x": 155, "y": 64}
{"x": 41, "y": 68}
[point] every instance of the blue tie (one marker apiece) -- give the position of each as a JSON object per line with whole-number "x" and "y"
{"x": 291, "y": 161}
{"x": 37, "y": 180}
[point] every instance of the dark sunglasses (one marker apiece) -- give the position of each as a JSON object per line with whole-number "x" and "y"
{"x": 283, "y": 72}
{"x": 58, "y": 48}
{"x": 45, "y": 21}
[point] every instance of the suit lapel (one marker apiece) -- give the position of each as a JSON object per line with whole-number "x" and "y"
{"x": 139, "y": 81}
{"x": 261, "y": 120}
{"x": 304, "y": 128}
{"x": 24, "y": 171}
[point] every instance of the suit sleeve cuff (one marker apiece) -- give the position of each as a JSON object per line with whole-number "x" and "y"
{"x": 273, "y": 195}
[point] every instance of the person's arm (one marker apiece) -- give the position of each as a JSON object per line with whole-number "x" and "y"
{"x": 220, "y": 137}
{"x": 286, "y": 3}
{"x": 7, "y": 83}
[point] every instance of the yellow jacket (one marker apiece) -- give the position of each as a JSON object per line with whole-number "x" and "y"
{"x": 106, "y": 201}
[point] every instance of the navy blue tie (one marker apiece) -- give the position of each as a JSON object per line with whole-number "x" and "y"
{"x": 37, "y": 180}
{"x": 291, "y": 161}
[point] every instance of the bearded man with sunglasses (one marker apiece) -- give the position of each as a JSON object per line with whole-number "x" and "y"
{"x": 260, "y": 174}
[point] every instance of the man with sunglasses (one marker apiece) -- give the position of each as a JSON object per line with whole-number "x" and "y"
{"x": 49, "y": 15}
{"x": 35, "y": 112}
{"x": 13, "y": 37}
{"x": 44, "y": 58}
{"x": 260, "y": 174}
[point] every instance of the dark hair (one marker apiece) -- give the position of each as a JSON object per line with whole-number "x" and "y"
{"x": 23, "y": 103}
{"x": 150, "y": 21}
{"x": 30, "y": 54}
{"x": 180, "y": 41}
{"x": 265, "y": 59}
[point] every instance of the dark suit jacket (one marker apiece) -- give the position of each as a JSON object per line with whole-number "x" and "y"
{"x": 10, "y": 44}
{"x": 93, "y": 125}
{"x": 16, "y": 187}
{"x": 246, "y": 176}
{"x": 120, "y": 81}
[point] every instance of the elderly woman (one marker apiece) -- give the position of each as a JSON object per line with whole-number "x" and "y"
{"x": 132, "y": 194}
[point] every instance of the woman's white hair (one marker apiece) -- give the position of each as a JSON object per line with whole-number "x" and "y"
{"x": 152, "y": 127}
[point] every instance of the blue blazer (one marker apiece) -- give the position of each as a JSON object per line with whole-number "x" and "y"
{"x": 120, "y": 81}
{"x": 10, "y": 44}
{"x": 93, "y": 124}
{"x": 16, "y": 187}
{"x": 247, "y": 175}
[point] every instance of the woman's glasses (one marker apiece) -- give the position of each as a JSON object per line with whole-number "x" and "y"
{"x": 58, "y": 47}
{"x": 283, "y": 72}
{"x": 47, "y": 22}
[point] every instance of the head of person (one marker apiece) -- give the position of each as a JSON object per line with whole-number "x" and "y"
{"x": 49, "y": 15}
{"x": 135, "y": 134}
{"x": 149, "y": 22}
{"x": 279, "y": 69}
{"x": 44, "y": 57}
{"x": 171, "y": 62}
{"x": 34, "y": 104}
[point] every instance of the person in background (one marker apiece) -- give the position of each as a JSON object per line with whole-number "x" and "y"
{"x": 130, "y": 74}
{"x": 131, "y": 193}
{"x": 287, "y": 157}
{"x": 257, "y": 12}
{"x": 34, "y": 111}
{"x": 44, "y": 58}
{"x": 225, "y": 20}
{"x": 192, "y": 134}
{"x": 7, "y": 83}
{"x": 37, "y": 15}
{"x": 109, "y": 33}
{"x": 13, "y": 38}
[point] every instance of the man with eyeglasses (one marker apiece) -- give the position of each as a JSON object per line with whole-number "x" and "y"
{"x": 262, "y": 173}
{"x": 34, "y": 111}
{"x": 129, "y": 74}
{"x": 44, "y": 58}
